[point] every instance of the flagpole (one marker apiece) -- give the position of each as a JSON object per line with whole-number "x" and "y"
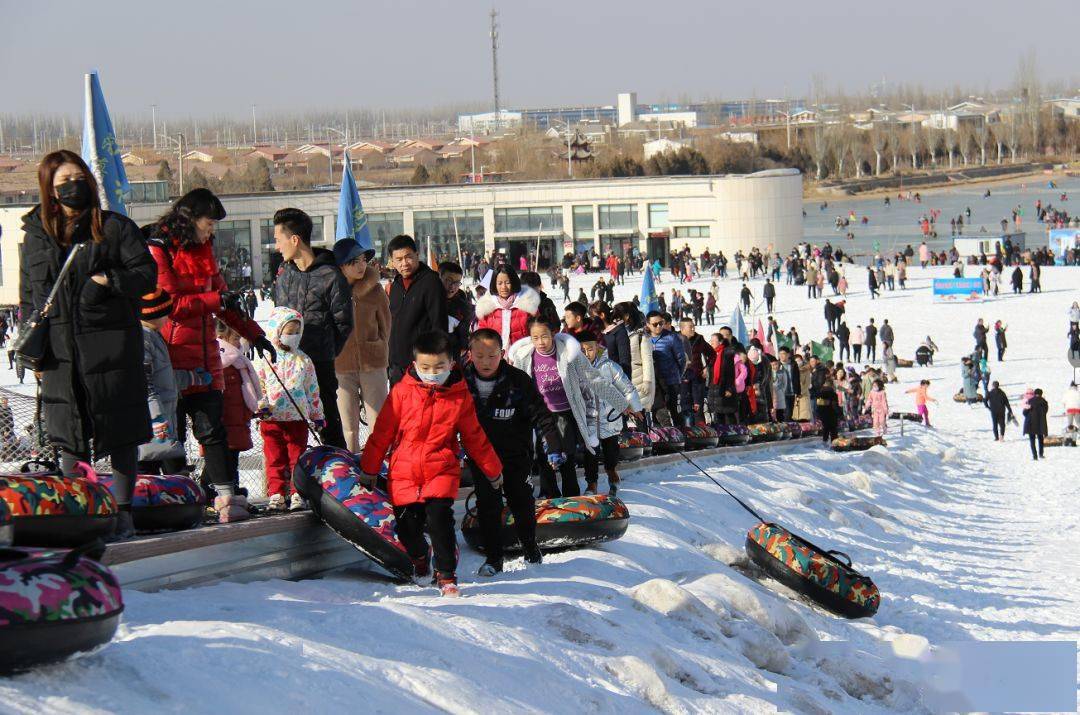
{"x": 538, "y": 232}
{"x": 457, "y": 240}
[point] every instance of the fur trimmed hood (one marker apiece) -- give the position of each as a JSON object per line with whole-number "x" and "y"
{"x": 527, "y": 300}
{"x": 567, "y": 348}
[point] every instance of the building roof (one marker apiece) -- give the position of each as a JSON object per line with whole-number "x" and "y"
{"x": 273, "y": 153}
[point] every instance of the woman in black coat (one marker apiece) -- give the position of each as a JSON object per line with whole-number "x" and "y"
{"x": 93, "y": 385}
{"x": 1035, "y": 422}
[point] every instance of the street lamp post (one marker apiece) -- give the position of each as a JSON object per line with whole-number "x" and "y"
{"x": 330, "y": 148}
{"x": 179, "y": 155}
{"x": 153, "y": 118}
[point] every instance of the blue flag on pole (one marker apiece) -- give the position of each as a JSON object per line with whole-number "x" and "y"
{"x": 738, "y": 327}
{"x": 351, "y": 219}
{"x": 100, "y": 150}
{"x": 649, "y": 300}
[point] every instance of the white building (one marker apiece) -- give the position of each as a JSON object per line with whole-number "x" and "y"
{"x": 659, "y": 146}
{"x": 488, "y": 122}
{"x": 687, "y": 119}
{"x": 650, "y": 215}
{"x": 627, "y": 107}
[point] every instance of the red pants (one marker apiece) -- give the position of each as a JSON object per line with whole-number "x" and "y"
{"x": 283, "y": 443}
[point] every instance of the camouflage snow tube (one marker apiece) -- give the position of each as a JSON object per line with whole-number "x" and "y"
{"x": 53, "y": 604}
{"x": 632, "y": 445}
{"x": 170, "y": 502}
{"x": 55, "y": 511}
{"x": 857, "y": 444}
{"x": 826, "y": 577}
{"x": 699, "y": 437}
{"x": 329, "y": 478}
{"x": 733, "y": 435}
{"x": 562, "y": 522}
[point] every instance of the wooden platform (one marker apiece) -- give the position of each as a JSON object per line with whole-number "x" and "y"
{"x": 287, "y": 546}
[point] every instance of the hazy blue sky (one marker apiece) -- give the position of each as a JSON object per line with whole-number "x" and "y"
{"x": 194, "y": 57}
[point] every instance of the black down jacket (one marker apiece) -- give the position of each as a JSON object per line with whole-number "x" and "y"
{"x": 93, "y": 385}
{"x": 420, "y": 309}
{"x": 510, "y": 414}
{"x": 322, "y": 295}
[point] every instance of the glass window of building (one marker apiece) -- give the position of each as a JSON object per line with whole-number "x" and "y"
{"x": 521, "y": 220}
{"x": 232, "y": 249}
{"x": 583, "y": 222}
{"x": 383, "y": 227}
{"x": 658, "y": 216}
{"x": 145, "y": 192}
{"x": 692, "y": 232}
{"x": 618, "y": 217}
{"x": 435, "y": 230}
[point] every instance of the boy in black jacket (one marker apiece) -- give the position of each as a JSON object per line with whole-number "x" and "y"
{"x": 509, "y": 407}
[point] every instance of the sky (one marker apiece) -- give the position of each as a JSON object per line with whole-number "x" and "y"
{"x": 199, "y": 58}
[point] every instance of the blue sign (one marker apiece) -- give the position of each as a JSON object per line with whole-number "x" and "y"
{"x": 958, "y": 290}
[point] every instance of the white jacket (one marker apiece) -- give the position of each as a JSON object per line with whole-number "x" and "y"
{"x": 1072, "y": 401}
{"x": 609, "y": 420}
{"x": 581, "y": 382}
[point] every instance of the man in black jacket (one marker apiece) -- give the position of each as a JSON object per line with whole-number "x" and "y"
{"x": 509, "y": 407}
{"x": 417, "y": 303}
{"x": 794, "y": 385}
{"x": 1035, "y": 423}
{"x": 547, "y": 311}
{"x": 311, "y": 283}
{"x": 818, "y": 375}
{"x": 998, "y": 403}
{"x": 843, "y": 334}
{"x": 460, "y": 310}
{"x": 699, "y": 360}
{"x": 870, "y": 341}
{"x": 768, "y": 292}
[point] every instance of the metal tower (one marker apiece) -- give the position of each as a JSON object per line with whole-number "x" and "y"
{"x": 495, "y": 61}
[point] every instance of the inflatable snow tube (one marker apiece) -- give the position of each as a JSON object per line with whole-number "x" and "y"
{"x": 856, "y": 444}
{"x": 697, "y": 437}
{"x": 667, "y": 440}
{"x": 53, "y": 604}
{"x": 760, "y": 432}
{"x": 959, "y": 397}
{"x": 329, "y": 478}
{"x": 562, "y": 522}
{"x": 908, "y": 416}
{"x": 171, "y": 502}
{"x": 904, "y": 362}
{"x": 1059, "y": 441}
{"x": 6, "y": 528}
{"x": 780, "y": 430}
{"x": 55, "y": 511}
{"x": 632, "y": 446}
{"x": 817, "y": 574}
{"x": 734, "y": 435}
{"x": 795, "y": 430}
{"x": 808, "y": 429}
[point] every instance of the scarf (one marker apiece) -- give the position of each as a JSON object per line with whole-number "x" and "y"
{"x": 249, "y": 385}
{"x": 506, "y": 303}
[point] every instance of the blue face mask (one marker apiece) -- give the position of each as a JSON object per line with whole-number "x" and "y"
{"x": 437, "y": 378}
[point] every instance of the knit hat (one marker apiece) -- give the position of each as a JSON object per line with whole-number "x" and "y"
{"x": 754, "y": 354}
{"x": 156, "y": 305}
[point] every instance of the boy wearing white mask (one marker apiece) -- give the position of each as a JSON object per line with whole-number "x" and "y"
{"x": 421, "y": 421}
{"x": 284, "y": 430}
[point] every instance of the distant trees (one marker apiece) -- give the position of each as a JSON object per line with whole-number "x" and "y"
{"x": 683, "y": 161}
{"x": 420, "y": 176}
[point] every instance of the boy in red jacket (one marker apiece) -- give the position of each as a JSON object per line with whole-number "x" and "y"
{"x": 420, "y": 422}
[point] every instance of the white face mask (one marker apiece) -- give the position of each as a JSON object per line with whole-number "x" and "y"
{"x": 292, "y": 342}
{"x": 437, "y": 378}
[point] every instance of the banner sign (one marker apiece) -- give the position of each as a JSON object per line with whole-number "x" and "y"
{"x": 958, "y": 290}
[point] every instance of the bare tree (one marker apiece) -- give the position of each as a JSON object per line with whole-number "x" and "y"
{"x": 950, "y": 139}
{"x": 933, "y": 144}
{"x": 1012, "y": 129}
{"x": 819, "y": 148}
{"x": 966, "y": 141}
{"x": 896, "y": 143}
{"x": 841, "y": 140}
{"x": 982, "y": 137}
{"x": 878, "y": 140}
{"x": 915, "y": 144}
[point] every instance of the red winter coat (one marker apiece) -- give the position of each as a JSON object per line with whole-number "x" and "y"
{"x": 191, "y": 277}
{"x": 510, "y": 323}
{"x": 234, "y": 412}
{"x": 421, "y": 424}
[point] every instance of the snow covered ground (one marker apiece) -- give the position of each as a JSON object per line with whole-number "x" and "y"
{"x": 967, "y": 539}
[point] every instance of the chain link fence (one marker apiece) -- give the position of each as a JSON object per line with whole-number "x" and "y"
{"x": 23, "y": 438}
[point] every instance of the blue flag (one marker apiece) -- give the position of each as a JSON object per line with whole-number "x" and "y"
{"x": 649, "y": 300}
{"x": 738, "y": 327}
{"x": 100, "y": 150}
{"x": 351, "y": 219}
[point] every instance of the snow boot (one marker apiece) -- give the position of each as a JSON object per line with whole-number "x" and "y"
{"x": 296, "y": 503}
{"x": 489, "y": 569}
{"x": 125, "y": 526}
{"x": 276, "y": 503}
{"x": 613, "y": 486}
{"x": 590, "y": 489}
{"x": 533, "y": 555}
{"x": 422, "y": 566}
{"x": 448, "y": 585}
{"x": 231, "y": 508}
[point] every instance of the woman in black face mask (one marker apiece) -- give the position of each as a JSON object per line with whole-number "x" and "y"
{"x": 92, "y": 380}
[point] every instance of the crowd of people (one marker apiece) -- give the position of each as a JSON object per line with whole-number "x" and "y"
{"x": 147, "y": 343}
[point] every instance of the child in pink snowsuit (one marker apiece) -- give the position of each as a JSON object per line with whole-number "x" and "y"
{"x": 877, "y": 404}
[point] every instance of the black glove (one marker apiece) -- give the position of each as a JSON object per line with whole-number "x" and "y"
{"x": 231, "y": 301}
{"x": 263, "y": 346}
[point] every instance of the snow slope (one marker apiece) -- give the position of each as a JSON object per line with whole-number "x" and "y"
{"x": 967, "y": 539}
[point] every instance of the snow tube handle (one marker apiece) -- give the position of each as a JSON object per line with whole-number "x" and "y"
{"x": 470, "y": 508}
{"x": 45, "y": 464}
{"x": 840, "y": 556}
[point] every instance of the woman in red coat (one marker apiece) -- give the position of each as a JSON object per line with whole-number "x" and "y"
{"x": 507, "y": 307}
{"x": 181, "y": 243}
